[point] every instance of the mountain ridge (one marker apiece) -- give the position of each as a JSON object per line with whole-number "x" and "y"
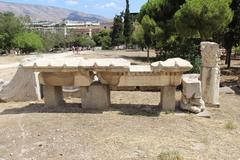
{"x": 48, "y": 13}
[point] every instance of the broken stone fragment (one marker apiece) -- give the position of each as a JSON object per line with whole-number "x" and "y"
{"x": 191, "y": 94}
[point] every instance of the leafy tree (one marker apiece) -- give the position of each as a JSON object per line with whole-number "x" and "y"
{"x": 127, "y": 24}
{"x": 103, "y": 39}
{"x": 157, "y": 20}
{"x": 85, "y": 41}
{"x": 28, "y": 42}
{"x": 162, "y": 12}
{"x": 117, "y": 32}
{"x": 10, "y": 26}
{"x": 198, "y": 18}
{"x": 148, "y": 25}
{"x": 49, "y": 41}
{"x": 232, "y": 36}
{"x": 186, "y": 48}
{"x": 138, "y": 35}
{"x": 106, "y": 42}
{"x": 25, "y": 19}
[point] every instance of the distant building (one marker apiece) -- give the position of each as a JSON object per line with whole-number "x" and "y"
{"x": 44, "y": 26}
{"x": 66, "y": 26}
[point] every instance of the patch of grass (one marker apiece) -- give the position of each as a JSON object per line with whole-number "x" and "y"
{"x": 230, "y": 125}
{"x": 189, "y": 117}
{"x": 169, "y": 112}
{"x": 170, "y": 155}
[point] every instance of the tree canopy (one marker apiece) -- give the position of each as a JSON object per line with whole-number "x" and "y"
{"x": 103, "y": 39}
{"x": 10, "y": 26}
{"x": 232, "y": 35}
{"x": 28, "y": 42}
{"x": 162, "y": 13}
{"x": 198, "y": 18}
{"x": 127, "y": 24}
{"x": 117, "y": 37}
{"x": 85, "y": 41}
{"x": 138, "y": 35}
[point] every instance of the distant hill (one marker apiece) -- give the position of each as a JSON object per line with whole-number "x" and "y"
{"x": 48, "y": 13}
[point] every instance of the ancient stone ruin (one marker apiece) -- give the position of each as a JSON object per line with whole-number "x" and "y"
{"x": 210, "y": 73}
{"x": 95, "y": 76}
{"x": 192, "y": 94}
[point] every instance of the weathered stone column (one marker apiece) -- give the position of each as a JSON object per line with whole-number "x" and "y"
{"x": 53, "y": 96}
{"x": 96, "y": 96}
{"x": 168, "y": 101}
{"x": 210, "y": 73}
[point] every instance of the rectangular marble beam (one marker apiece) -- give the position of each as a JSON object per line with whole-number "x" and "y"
{"x": 168, "y": 101}
{"x": 53, "y": 96}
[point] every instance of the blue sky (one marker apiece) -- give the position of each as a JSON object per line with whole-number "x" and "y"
{"x": 107, "y": 8}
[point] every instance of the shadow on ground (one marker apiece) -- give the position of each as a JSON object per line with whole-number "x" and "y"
{"x": 141, "y": 59}
{"x": 123, "y": 109}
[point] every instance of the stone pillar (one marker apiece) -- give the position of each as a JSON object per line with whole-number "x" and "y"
{"x": 96, "y": 96}
{"x": 210, "y": 73}
{"x": 168, "y": 101}
{"x": 90, "y": 32}
{"x": 53, "y": 96}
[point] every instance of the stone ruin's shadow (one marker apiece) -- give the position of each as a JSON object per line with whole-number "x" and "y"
{"x": 141, "y": 59}
{"x": 123, "y": 109}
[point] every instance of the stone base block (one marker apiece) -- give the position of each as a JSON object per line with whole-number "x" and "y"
{"x": 96, "y": 96}
{"x": 192, "y": 94}
{"x": 210, "y": 78}
{"x": 53, "y": 96}
{"x": 195, "y": 105}
{"x": 168, "y": 102}
{"x": 191, "y": 86}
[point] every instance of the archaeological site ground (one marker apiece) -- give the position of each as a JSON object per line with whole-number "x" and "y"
{"x": 139, "y": 119}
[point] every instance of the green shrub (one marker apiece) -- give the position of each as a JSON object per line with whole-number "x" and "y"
{"x": 188, "y": 49}
{"x": 28, "y": 42}
{"x": 230, "y": 125}
{"x": 170, "y": 155}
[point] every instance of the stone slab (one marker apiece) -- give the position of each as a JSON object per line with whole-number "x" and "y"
{"x": 53, "y": 96}
{"x": 205, "y": 114}
{"x": 226, "y": 90}
{"x": 96, "y": 96}
{"x": 168, "y": 100}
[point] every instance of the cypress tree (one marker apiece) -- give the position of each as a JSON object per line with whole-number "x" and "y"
{"x": 127, "y": 24}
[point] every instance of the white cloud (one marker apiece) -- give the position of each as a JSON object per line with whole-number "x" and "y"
{"x": 112, "y": 5}
{"x": 72, "y": 1}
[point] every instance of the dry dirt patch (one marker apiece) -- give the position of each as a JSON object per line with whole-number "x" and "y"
{"x": 132, "y": 129}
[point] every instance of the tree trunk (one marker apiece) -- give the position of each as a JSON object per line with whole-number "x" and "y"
{"x": 228, "y": 57}
{"x": 148, "y": 54}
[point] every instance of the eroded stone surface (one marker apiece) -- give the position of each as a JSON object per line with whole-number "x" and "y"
{"x": 210, "y": 54}
{"x": 53, "y": 96}
{"x": 24, "y": 86}
{"x": 168, "y": 101}
{"x": 191, "y": 94}
{"x": 173, "y": 64}
{"x": 210, "y": 74}
{"x": 115, "y": 72}
{"x": 96, "y": 96}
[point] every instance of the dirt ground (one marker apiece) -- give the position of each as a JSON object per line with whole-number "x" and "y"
{"x": 132, "y": 129}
